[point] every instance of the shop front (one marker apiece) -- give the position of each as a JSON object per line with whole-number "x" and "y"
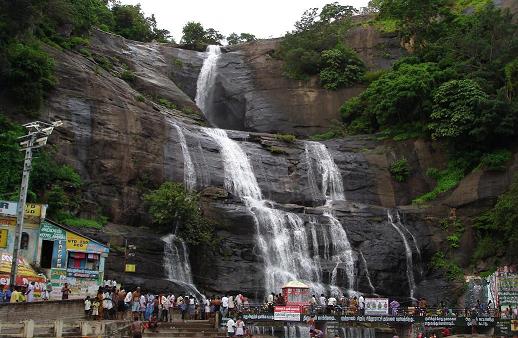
{"x": 69, "y": 257}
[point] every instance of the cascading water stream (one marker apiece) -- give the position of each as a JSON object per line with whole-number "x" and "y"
{"x": 189, "y": 173}
{"x": 408, "y": 254}
{"x": 281, "y": 236}
{"x": 364, "y": 261}
{"x": 207, "y": 78}
{"x": 332, "y": 189}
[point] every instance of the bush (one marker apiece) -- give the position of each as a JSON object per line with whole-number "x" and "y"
{"x": 175, "y": 209}
{"x": 29, "y": 74}
{"x": 166, "y": 103}
{"x": 276, "y": 150}
{"x": 447, "y": 179}
{"x": 496, "y": 160}
{"x": 140, "y": 98}
{"x": 341, "y": 67}
{"x": 453, "y": 270}
{"x": 288, "y": 138}
{"x": 400, "y": 170}
{"x": 128, "y": 75}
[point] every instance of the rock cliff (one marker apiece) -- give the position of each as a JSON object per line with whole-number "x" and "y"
{"x": 120, "y": 139}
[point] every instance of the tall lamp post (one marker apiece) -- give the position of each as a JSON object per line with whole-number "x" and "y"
{"x": 37, "y": 135}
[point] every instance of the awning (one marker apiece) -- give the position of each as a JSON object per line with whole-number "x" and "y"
{"x": 25, "y": 273}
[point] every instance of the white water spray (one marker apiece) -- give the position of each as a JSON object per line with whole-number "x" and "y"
{"x": 189, "y": 173}
{"x": 207, "y": 78}
{"x": 408, "y": 254}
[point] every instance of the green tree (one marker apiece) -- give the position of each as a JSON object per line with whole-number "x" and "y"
{"x": 213, "y": 37}
{"x": 174, "y": 208}
{"x": 341, "y": 67}
{"x": 334, "y": 11}
{"x": 456, "y": 105}
{"x": 234, "y": 38}
{"x": 28, "y": 73}
{"x": 131, "y": 23}
{"x": 193, "y": 34}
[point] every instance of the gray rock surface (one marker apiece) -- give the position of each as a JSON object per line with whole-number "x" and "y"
{"x": 122, "y": 146}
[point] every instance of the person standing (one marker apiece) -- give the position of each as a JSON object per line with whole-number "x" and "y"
{"x": 165, "y": 308}
{"x": 224, "y": 306}
{"x": 323, "y": 302}
{"x": 88, "y": 307}
{"x": 231, "y": 324}
{"x": 65, "y": 291}
{"x": 231, "y": 305}
{"x": 29, "y": 293}
{"x": 394, "y": 307}
{"x": 240, "y": 328}
{"x": 361, "y": 304}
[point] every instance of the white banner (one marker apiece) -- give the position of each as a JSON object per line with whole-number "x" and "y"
{"x": 376, "y": 306}
{"x": 8, "y": 208}
{"x": 287, "y": 313}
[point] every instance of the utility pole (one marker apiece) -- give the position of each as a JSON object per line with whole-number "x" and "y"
{"x": 37, "y": 135}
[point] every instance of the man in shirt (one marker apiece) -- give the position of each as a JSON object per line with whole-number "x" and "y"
{"x": 224, "y": 306}
{"x": 230, "y": 327}
{"x": 361, "y": 305}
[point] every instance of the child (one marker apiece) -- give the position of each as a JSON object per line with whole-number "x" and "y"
{"x": 88, "y": 307}
{"x": 95, "y": 308}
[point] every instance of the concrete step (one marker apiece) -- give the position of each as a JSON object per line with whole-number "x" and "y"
{"x": 164, "y": 334}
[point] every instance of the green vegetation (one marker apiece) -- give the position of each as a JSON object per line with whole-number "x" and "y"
{"x": 234, "y": 38}
{"x": 446, "y": 179}
{"x": 196, "y": 37}
{"x": 172, "y": 207}
{"x": 140, "y": 98}
{"x": 288, "y": 138}
{"x": 56, "y": 184}
{"x": 276, "y": 150}
{"x": 497, "y": 228}
{"x": 27, "y": 71}
{"x": 316, "y": 47}
{"x": 128, "y": 75}
{"x": 166, "y": 103}
{"x": 84, "y": 222}
{"x": 400, "y": 170}
{"x": 455, "y": 228}
{"x": 452, "y": 270}
{"x": 337, "y": 129}
{"x": 496, "y": 161}
{"x": 459, "y": 82}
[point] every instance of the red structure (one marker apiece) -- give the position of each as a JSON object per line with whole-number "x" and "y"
{"x": 296, "y": 293}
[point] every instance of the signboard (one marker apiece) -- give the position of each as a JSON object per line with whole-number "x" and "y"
{"x": 82, "y": 273}
{"x": 129, "y": 268}
{"x": 9, "y": 209}
{"x": 50, "y": 232}
{"x": 8, "y": 221}
{"x": 508, "y": 289}
{"x": 76, "y": 242}
{"x": 4, "y": 234}
{"x": 503, "y": 327}
{"x": 287, "y": 313}
{"x": 376, "y": 306}
{"x": 59, "y": 255}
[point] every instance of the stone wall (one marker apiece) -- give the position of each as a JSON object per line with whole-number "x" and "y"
{"x": 42, "y": 312}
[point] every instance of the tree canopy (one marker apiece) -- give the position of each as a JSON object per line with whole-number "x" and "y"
{"x": 196, "y": 37}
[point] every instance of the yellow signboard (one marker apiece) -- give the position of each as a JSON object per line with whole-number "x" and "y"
{"x": 3, "y": 238}
{"x": 76, "y": 242}
{"x": 32, "y": 210}
{"x": 130, "y": 268}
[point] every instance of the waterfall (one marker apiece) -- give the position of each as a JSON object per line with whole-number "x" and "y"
{"x": 176, "y": 259}
{"x": 373, "y": 289}
{"x": 282, "y": 237}
{"x": 207, "y": 78}
{"x": 408, "y": 253}
{"x": 189, "y": 173}
{"x": 176, "y": 264}
{"x": 332, "y": 189}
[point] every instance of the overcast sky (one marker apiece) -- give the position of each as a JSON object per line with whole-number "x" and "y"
{"x": 263, "y": 18}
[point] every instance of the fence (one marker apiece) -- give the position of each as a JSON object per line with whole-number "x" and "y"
{"x": 59, "y": 329}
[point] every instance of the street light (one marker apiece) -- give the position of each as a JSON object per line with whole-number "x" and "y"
{"x": 37, "y": 135}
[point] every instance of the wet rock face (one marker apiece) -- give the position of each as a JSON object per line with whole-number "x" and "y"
{"x": 122, "y": 145}
{"x": 253, "y": 94}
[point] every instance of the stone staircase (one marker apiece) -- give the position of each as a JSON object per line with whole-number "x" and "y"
{"x": 189, "y": 328}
